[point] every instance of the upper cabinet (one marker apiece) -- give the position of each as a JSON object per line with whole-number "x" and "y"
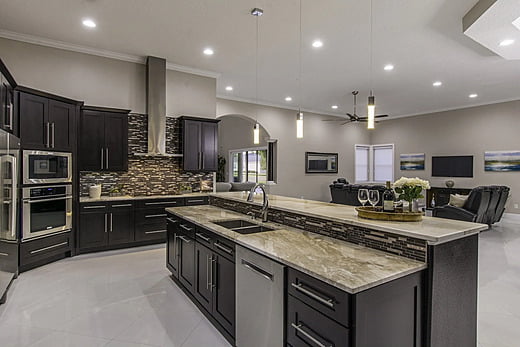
{"x": 103, "y": 139}
{"x": 199, "y": 143}
{"x": 47, "y": 123}
{"x": 8, "y": 121}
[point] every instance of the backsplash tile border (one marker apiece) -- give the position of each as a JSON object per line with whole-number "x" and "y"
{"x": 404, "y": 246}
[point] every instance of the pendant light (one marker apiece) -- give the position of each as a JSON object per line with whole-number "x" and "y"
{"x": 299, "y": 115}
{"x": 257, "y": 12}
{"x": 371, "y": 105}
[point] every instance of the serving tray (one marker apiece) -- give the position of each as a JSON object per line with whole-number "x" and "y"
{"x": 368, "y": 212}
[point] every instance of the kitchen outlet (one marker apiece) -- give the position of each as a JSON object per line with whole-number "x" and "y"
{"x": 515, "y": 205}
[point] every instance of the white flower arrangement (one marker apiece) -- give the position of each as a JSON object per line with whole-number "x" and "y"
{"x": 411, "y": 182}
{"x": 410, "y": 189}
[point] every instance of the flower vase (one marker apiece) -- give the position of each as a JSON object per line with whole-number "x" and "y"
{"x": 415, "y": 205}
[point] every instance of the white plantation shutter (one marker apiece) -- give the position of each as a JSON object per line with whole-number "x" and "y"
{"x": 362, "y": 163}
{"x": 383, "y": 163}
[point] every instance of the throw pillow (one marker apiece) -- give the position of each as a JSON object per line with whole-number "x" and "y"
{"x": 458, "y": 200}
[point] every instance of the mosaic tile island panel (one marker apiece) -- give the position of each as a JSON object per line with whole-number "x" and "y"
{"x": 148, "y": 175}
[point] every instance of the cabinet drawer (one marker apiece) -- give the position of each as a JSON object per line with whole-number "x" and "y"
{"x": 152, "y": 231}
{"x": 323, "y": 297}
{"x": 40, "y": 249}
{"x": 160, "y": 203}
{"x": 122, "y": 205}
{"x": 199, "y": 200}
{"x": 147, "y": 216}
{"x": 93, "y": 207}
{"x": 225, "y": 248}
{"x": 204, "y": 237}
{"x": 186, "y": 228}
{"x": 308, "y": 327}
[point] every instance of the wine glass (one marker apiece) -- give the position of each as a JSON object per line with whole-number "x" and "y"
{"x": 362, "y": 196}
{"x": 373, "y": 197}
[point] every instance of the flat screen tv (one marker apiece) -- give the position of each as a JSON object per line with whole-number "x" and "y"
{"x": 452, "y": 166}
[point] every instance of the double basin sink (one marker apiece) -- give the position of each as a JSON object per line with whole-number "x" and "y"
{"x": 242, "y": 227}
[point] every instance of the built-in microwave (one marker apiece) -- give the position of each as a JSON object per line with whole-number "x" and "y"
{"x": 41, "y": 167}
{"x": 46, "y": 210}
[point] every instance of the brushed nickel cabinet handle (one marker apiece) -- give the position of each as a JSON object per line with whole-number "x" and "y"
{"x": 307, "y": 335}
{"x": 328, "y": 302}
{"x": 106, "y": 216}
{"x": 225, "y": 249}
{"x": 107, "y": 161}
{"x": 155, "y": 215}
{"x": 49, "y": 247}
{"x": 155, "y": 231}
{"x": 205, "y": 238}
{"x": 93, "y": 207}
{"x": 102, "y": 158}
{"x": 53, "y": 131}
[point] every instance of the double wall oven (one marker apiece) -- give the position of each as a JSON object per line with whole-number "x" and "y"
{"x": 46, "y": 193}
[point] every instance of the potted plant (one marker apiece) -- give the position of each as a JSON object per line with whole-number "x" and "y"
{"x": 410, "y": 189}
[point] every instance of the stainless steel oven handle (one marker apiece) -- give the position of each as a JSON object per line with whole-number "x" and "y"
{"x": 307, "y": 335}
{"x": 258, "y": 270}
{"x": 45, "y": 200}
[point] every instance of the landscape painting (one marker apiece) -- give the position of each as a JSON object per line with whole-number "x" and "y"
{"x": 414, "y": 161}
{"x": 502, "y": 161}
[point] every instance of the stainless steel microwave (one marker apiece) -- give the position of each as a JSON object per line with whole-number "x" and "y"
{"x": 40, "y": 167}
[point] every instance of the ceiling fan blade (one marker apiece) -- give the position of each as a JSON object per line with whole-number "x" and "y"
{"x": 381, "y": 116}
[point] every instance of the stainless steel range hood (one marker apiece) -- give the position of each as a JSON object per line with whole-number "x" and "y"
{"x": 156, "y": 107}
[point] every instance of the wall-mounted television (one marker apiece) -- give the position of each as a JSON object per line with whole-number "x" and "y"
{"x": 452, "y": 166}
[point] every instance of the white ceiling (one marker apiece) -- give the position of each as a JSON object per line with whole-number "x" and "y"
{"x": 423, "y": 39}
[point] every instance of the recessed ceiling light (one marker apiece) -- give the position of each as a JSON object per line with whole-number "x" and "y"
{"x": 473, "y": 96}
{"x": 229, "y": 88}
{"x": 335, "y": 107}
{"x": 288, "y": 98}
{"x": 89, "y": 23}
{"x": 208, "y": 51}
{"x": 389, "y": 67}
{"x": 507, "y": 42}
{"x": 437, "y": 83}
{"x": 317, "y": 44}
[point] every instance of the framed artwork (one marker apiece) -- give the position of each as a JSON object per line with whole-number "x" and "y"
{"x": 500, "y": 161}
{"x": 321, "y": 162}
{"x": 413, "y": 161}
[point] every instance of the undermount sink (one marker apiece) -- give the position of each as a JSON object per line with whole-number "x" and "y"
{"x": 242, "y": 227}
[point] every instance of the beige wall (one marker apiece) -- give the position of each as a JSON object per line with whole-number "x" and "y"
{"x": 103, "y": 81}
{"x": 318, "y": 137}
{"x": 192, "y": 95}
{"x": 470, "y": 131}
{"x": 96, "y": 80}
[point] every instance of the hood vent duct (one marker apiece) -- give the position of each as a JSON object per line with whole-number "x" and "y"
{"x": 156, "y": 107}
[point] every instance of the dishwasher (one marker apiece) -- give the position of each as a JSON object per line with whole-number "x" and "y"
{"x": 259, "y": 300}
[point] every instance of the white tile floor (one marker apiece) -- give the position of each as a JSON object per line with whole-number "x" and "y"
{"x": 125, "y": 298}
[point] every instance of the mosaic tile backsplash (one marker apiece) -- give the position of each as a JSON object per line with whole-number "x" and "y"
{"x": 408, "y": 247}
{"x": 148, "y": 175}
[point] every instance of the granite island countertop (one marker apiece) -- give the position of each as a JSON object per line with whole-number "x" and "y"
{"x": 344, "y": 265}
{"x": 85, "y": 199}
{"x": 433, "y": 230}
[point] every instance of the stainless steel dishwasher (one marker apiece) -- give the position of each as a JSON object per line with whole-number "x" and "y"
{"x": 259, "y": 300}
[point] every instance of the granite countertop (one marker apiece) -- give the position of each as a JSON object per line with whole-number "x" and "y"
{"x": 140, "y": 197}
{"x": 344, "y": 265}
{"x": 433, "y": 230}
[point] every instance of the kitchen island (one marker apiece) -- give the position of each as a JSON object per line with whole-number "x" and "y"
{"x": 427, "y": 269}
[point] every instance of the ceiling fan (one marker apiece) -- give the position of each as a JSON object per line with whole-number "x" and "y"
{"x": 353, "y": 117}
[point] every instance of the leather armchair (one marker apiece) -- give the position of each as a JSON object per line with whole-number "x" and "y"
{"x": 347, "y": 194}
{"x": 474, "y": 210}
{"x": 501, "y": 206}
{"x": 496, "y": 192}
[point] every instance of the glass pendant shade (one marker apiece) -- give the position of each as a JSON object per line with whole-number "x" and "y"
{"x": 256, "y": 134}
{"x": 299, "y": 125}
{"x": 371, "y": 112}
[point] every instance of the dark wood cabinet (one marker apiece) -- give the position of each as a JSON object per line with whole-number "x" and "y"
{"x": 200, "y": 144}
{"x": 103, "y": 139}
{"x": 46, "y": 123}
{"x": 150, "y": 218}
{"x": 224, "y": 292}
{"x": 172, "y": 248}
{"x": 186, "y": 245}
{"x": 8, "y": 120}
{"x": 103, "y": 225}
{"x": 44, "y": 250}
{"x": 203, "y": 289}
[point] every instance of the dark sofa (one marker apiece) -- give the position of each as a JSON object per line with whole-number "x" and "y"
{"x": 344, "y": 193}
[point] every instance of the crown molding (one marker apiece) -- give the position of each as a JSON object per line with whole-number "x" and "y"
{"x": 41, "y": 41}
{"x": 284, "y": 107}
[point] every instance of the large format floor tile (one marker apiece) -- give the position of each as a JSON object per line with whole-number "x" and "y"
{"x": 126, "y": 299}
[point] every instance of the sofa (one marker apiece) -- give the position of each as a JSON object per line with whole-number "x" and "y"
{"x": 347, "y": 194}
{"x": 234, "y": 186}
{"x": 485, "y": 204}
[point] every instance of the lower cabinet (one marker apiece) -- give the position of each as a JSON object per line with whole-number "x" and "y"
{"x": 44, "y": 250}
{"x": 204, "y": 264}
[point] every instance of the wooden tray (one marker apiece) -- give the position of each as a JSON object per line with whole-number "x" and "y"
{"x": 370, "y": 213}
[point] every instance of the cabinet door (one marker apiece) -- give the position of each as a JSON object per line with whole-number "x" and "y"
{"x": 191, "y": 145}
{"x": 92, "y": 139}
{"x": 4, "y": 114}
{"x": 62, "y": 119}
{"x": 209, "y": 144}
{"x": 93, "y": 229}
{"x": 203, "y": 287}
{"x": 116, "y": 142}
{"x": 224, "y": 292}
{"x": 121, "y": 226}
{"x": 172, "y": 247}
{"x": 34, "y": 124}
{"x": 186, "y": 261}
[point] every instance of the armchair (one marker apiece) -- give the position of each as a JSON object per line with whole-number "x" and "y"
{"x": 474, "y": 210}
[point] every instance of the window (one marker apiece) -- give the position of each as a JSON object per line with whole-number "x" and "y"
{"x": 248, "y": 165}
{"x": 374, "y": 163}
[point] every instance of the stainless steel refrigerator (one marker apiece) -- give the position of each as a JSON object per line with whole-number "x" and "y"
{"x": 9, "y": 211}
